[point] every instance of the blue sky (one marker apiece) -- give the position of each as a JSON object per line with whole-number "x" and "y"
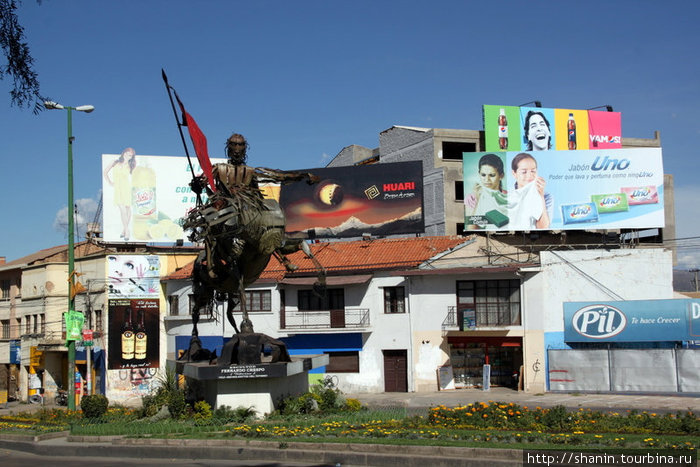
{"x": 304, "y": 79}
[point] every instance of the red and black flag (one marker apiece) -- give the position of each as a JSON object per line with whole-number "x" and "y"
{"x": 199, "y": 141}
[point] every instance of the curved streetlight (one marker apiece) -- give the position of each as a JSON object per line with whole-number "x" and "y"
{"x": 70, "y": 389}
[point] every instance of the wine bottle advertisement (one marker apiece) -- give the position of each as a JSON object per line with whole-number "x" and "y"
{"x": 133, "y": 333}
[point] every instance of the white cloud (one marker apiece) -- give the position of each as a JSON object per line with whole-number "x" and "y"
{"x": 86, "y": 209}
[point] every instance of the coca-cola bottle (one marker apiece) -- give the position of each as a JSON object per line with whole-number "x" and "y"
{"x": 502, "y": 130}
{"x": 571, "y": 129}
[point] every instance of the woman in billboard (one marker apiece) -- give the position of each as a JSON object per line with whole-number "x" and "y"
{"x": 488, "y": 193}
{"x": 537, "y": 132}
{"x": 118, "y": 175}
{"x": 528, "y": 205}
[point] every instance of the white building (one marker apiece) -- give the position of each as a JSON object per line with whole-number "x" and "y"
{"x": 400, "y": 311}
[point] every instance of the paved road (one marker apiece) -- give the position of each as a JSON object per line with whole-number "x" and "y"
{"x": 23, "y": 459}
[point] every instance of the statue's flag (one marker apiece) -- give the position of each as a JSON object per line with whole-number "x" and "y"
{"x": 199, "y": 141}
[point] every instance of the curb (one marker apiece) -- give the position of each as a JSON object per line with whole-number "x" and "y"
{"x": 252, "y": 450}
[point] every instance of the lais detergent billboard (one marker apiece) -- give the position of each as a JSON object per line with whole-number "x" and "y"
{"x": 563, "y": 190}
{"x": 509, "y": 128}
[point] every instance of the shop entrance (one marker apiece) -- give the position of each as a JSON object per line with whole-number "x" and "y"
{"x": 469, "y": 354}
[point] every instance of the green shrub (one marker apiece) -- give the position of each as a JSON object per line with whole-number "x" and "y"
{"x": 168, "y": 393}
{"x": 330, "y": 399}
{"x": 94, "y": 406}
{"x": 226, "y": 414}
{"x": 202, "y": 410}
{"x": 556, "y": 418}
{"x": 176, "y": 404}
{"x": 353, "y": 405}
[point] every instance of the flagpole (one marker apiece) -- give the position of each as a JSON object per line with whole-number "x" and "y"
{"x": 179, "y": 128}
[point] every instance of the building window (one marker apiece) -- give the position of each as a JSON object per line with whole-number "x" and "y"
{"x": 191, "y": 303}
{"x": 98, "y": 321}
{"x": 333, "y": 300}
{"x": 42, "y": 317}
{"x": 257, "y": 300}
{"x": 343, "y": 362}
{"x": 459, "y": 190}
{"x": 452, "y": 150}
{"x": 5, "y": 329}
{"x": 394, "y": 300}
{"x": 28, "y": 324}
{"x": 5, "y": 289}
{"x": 35, "y": 328}
{"x": 205, "y": 311}
{"x": 459, "y": 228}
{"x": 492, "y": 303}
{"x": 174, "y": 303}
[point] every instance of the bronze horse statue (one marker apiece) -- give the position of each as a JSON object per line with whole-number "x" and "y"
{"x": 241, "y": 231}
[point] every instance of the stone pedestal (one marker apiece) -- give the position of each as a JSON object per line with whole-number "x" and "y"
{"x": 259, "y": 385}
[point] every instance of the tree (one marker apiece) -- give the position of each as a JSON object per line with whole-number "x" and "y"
{"x": 19, "y": 67}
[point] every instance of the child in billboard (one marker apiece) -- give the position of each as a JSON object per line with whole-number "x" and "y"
{"x": 537, "y": 131}
{"x": 529, "y": 207}
{"x": 120, "y": 171}
{"x": 488, "y": 193}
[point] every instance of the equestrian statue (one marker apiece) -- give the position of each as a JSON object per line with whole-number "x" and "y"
{"x": 241, "y": 231}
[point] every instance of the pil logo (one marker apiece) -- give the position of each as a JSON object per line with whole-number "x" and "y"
{"x": 599, "y": 321}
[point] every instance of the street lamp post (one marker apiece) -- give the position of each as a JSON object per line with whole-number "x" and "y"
{"x": 70, "y": 389}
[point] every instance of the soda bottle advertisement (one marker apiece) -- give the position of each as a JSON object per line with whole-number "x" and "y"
{"x": 132, "y": 339}
{"x": 542, "y": 129}
{"x": 145, "y": 197}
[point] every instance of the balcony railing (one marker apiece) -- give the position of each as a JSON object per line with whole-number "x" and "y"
{"x": 487, "y": 315}
{"x": 326, "y": 319}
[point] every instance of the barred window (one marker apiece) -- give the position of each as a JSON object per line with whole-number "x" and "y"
{"x": 495, "y": 302}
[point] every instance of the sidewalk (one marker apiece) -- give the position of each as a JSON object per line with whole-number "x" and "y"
{"x": 605, "y": 402}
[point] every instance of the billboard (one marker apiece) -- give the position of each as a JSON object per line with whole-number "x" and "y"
{"x": 379, "y": 199}
{"x": 557, "y": 190}
{"x": 509, "y": 128}
{"x": 133, "y": 283}
{"x": 144, "y": 197}
{"x": 632, "y": 321}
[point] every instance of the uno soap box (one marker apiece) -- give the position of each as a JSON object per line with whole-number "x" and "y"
{"x": 579, "y": 213}
{"x": 641, "y": 195}
{"x": 613, "y": 202}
